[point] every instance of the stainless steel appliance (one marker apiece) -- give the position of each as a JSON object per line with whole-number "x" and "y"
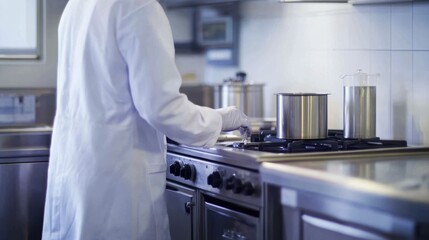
{"x": 248, "y": 97}
{"x": 359, "y": 106}
{"x": 24, "y": 155}
{"x": 302, "y": 115}
{"x": 208, "y": 198}
{"x": 199, "y": 94}
{"x": 380, "y": 194}
{"x": 27, "y": 107}
{"x": 215, "y": 193}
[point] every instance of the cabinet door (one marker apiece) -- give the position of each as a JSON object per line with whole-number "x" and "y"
{"x": 322, "y": 229}
{"x": 181, "y": 211}
{"x": 22, "y": 199}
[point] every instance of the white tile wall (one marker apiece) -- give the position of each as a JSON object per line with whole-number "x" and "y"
{"x": 380, "y": 32}
{"x": 381, "y": 64}
{"x": 360, "y": 28}
{"x": 421, "y": 26}
{"x": 420, "y": 103}
{"x": 337, "y": 28}
{"x": 401, "y": 95}
{"x": 402, "y": 26}
{"x": 307, "y": 47}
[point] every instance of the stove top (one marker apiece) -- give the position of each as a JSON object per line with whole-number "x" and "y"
{"x": 266, "y": 141}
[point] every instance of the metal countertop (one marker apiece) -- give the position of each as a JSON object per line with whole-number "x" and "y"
{"x": 251, "y": 159}
{"x": 392, "y": 181}
{"x": 385, "y": 179}
{"x": 21, "y": 155}
{"x": 24, "y": 143}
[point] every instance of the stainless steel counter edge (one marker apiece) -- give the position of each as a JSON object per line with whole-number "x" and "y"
{"x": 354, "y": 190}
{"x": 26, "y": 130}
{"x": 235, "y": 157}
{"x": 251, "y": 159}
{"x": 17, "y": 155}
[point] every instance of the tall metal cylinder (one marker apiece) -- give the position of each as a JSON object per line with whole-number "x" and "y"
{"x": 359, "y": 105}
{"x": 359, "y": 112}
{"x": 302, "y": 115}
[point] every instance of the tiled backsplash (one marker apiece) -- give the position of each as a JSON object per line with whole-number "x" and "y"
{"x": 307, "y": 47}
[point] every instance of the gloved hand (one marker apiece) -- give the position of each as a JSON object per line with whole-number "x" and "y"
{"x": 232, "y": 118}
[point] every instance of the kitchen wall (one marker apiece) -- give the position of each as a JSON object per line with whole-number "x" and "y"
{"x": 307, "y": 47}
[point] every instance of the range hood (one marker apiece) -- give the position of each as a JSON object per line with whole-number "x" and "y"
{"x": 313, "y": 1}
{"x": 355, "y": 2}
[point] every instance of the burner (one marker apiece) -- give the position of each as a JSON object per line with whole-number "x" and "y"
{"x": 290, "y": 146}
{"x": 356, "y": 144}
{"x": 267, "y": 141}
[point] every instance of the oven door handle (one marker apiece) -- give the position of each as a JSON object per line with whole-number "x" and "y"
{"x": 233, "y": 235}
{"x": 248, "y": 219}
{"x": 188, "y": 207}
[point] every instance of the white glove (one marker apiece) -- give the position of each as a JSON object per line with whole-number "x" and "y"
{"x": 232, "y": 118}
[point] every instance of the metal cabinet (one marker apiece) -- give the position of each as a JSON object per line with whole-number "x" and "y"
{"x": 22, "y": 199}
{"x": 181, "y": 212}
{"x": 310, "y": 216}
{"x": 324, "y": 229}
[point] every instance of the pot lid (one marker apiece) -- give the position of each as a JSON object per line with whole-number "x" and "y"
{"x": 360, "y": 78}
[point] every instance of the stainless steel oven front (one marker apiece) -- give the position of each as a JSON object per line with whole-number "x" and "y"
{"x": 223, "y": 221}
{"x": 208, "y": 200}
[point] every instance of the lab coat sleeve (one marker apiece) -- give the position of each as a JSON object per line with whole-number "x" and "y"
{"x": 146, "y": 44}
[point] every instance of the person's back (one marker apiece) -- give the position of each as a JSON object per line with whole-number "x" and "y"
{"x": 117, "y": 97}
{"x": 118, "y": 94}
{"x": 92, "y": 79}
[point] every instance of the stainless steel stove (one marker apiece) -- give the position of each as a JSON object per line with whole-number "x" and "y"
{"x": 224, "y": 201}
{"x": 216, "y": 193}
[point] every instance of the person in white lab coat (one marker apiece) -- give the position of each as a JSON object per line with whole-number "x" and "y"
{"x": 118, "y": 96}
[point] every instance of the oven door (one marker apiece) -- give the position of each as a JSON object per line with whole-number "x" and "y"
{"x": 181, "y": 211}
{"x": 227, "y": 223}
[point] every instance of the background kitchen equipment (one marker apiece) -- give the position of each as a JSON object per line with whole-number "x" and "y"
{"x": 359, "y": 105}
{"x": 200, "y": 94}
{"x": 24, "y": 155}
{"x": 248, "y": 97}
{"x": 27, "y": 107}
{"x": 302, "y": 115}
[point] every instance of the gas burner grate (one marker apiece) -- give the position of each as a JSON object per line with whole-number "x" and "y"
{"x": 267, "y": 141}
{"x": 290, "y": 146}
{"x": 357, "y": 144}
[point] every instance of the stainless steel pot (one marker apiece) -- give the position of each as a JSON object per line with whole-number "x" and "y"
{"x": 359, "y": 105}
{"x": 302, "y": 115}
{"x": 248, "y": 97}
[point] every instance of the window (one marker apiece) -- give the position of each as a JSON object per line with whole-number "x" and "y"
{"x": 19, "y": 29}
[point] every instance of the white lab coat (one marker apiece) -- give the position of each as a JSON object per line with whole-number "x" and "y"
{"x": 117, "y": 97}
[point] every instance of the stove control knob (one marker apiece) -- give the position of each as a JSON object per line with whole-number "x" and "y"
{"x": 248, "y": 188}
{"x": 214, "y": 180}
{"x": 230, "y": 183}
{"x": 235, "y": 184}
{"x": 188, "y": 172}
{"x": 175, "y": 168}
{"x": 238, "y": 186}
